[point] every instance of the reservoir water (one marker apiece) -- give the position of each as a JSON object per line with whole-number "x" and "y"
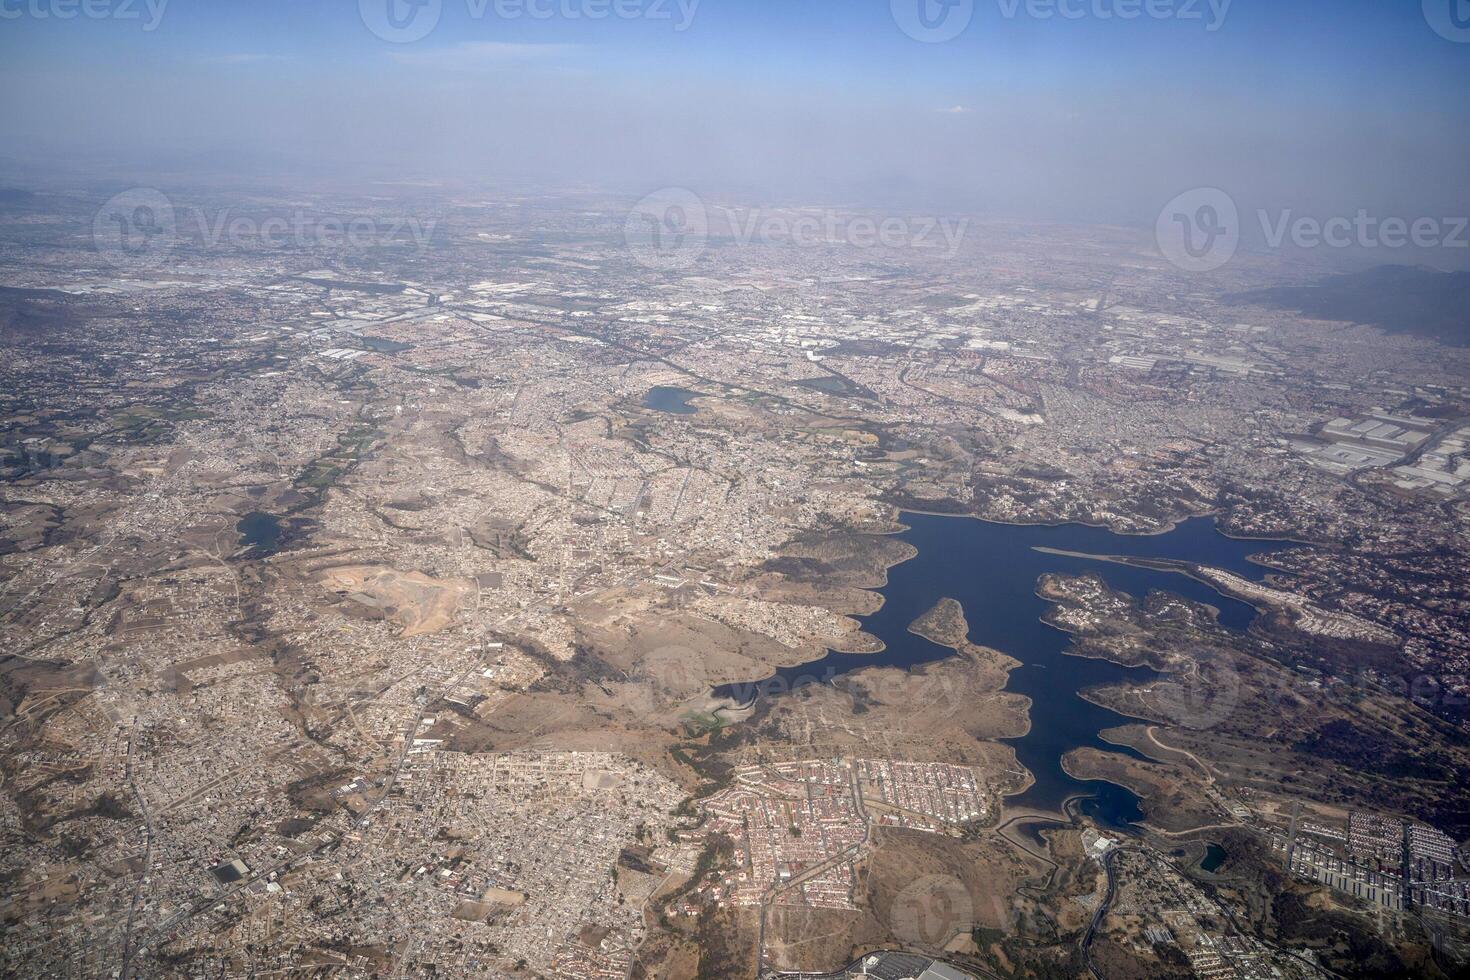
{"x": 672, "y": 400}
{"x": 992, "y": 570}
{"x": 260, "y": 532}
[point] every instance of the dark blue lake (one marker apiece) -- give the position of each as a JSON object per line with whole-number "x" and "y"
{"x": 672, "y": 400}
{"x": 260, "y": 532}
{"x": 992, "y": 570}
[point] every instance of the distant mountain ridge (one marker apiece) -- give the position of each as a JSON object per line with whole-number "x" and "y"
{"x": 1395, "y": 298}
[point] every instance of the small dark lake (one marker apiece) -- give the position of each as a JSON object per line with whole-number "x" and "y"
{"x": 1214, "y": 857}
{"x": 383, "y": 345}
{"x": 992, "y": 570}
{"x": 260, "y": 532}
{"x": 672, "y": 400}
{"x": 833, "y": 385}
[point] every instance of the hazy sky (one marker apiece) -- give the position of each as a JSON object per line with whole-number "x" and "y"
{"x": 1323, "y": 106}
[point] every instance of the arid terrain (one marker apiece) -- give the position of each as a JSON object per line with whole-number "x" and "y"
{"x": 364, "y": 614}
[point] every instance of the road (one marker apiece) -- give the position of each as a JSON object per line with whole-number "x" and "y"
{"x": 127, "y": 954}
{"x": 1100, "y": 914}
{"x": 845, "y": 855}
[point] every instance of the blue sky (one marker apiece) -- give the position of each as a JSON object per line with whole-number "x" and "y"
{"x": 1348, "y": 100}
{"x": 1351, "y": 44}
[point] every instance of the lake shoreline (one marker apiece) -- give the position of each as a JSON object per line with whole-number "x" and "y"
{"x": 991, "y": 569}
